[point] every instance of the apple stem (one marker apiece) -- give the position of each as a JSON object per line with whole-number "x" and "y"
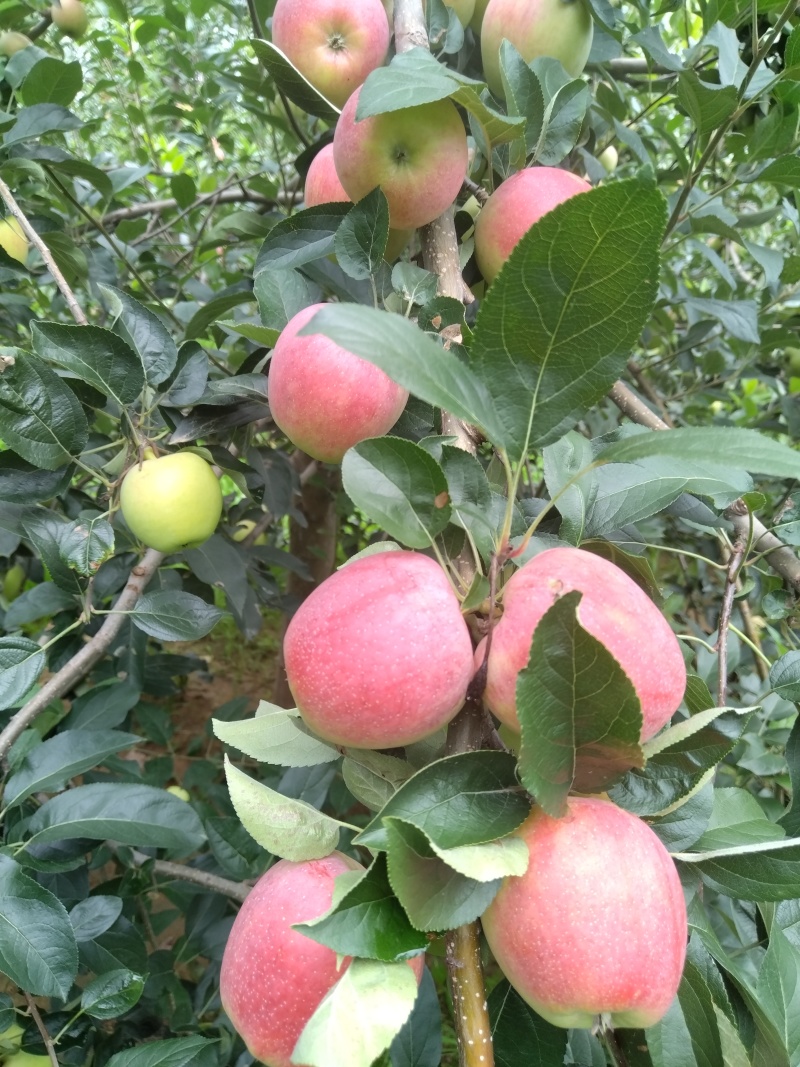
{"x": 468, "y": 990}
{"x": 609, "y": 1041}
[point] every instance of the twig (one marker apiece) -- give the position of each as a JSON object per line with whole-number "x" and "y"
{"x": 477, "y": 191}
{"x": 732, "y": 575}
{"x": 468, "y": 990}
{"x": 48, "y": 1041}
{"x": 762, "y": 668}
{"x": 179, "y": 871}
{"x": 609, "y": 1041}
{"x": 83, "y": 661}
{"x": 160, "y": 207}
{"x": 780, "y": 557}
{"x": 45, "y": 253}
{"x": 648, "y": 391}
{"x": 409, "y": 26}
{"x": 267, "y": 519}
{"x": 40, "y": 27}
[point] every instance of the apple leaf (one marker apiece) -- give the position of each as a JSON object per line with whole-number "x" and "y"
{"x": 505, "y": 858}
{"x": 764, "y": 871}
{"x": 558, "y": 323}
{"x": 41, "y": 419}
{"x": 400, "y": 486}
{"x": 433, "y": 894}
{"x": 94, "y": 355}
{"x": 579, "y": 714}
{"x": 144, "y": 332}
{"x": 467, "y": 799}
{"x": 174, "y": 615}
{"x": 21, "y": 663}
{"x": 192, "y": 1051}
{"x": 522, "y": 1038}
{"x": 111, "y": 994}
{"x": 419, "y": 1043}
{"x": 276, "y": 736}
{"x": 688, "y": 1035}
{"x": 286, "y": 827}
{"x": 301, "y": 238}
{"x": 360, "y": 241}
{"x": 777, "y": 989}
{"x": 360, "y": 1016}
{"x": 374, "y": 777}
{"x": 368, "y": 921}
{"x": 291, "y": 82}
{"x": 784, "y": 676}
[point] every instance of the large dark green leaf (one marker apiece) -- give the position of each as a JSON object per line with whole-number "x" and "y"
{"x": 419, "y": 1043}
{"x": 360, "y": 241}
{"x": 292, "y": 83}
{"x": 522, "y": 1038}
{"x": 193, "y": 1051}
{"x": 23, "y": 483}
{"x": 51, "y": 81}
{"x": 131, "y": 814}
{"x": 21, "y": 663}
{"x": 172, "y": 615}
{"x": 688, "y": 1035}
{"x": 40, "y": 417}
{"x": 35, "y": 121}
{"x": 37, "y": 945}
{"x": 302, "y": 238}
{"x": 145, "y": 333}
{"x": 769, "y": 870}
{"x": 95, "y": 355}
{"x": 559, "y": 321}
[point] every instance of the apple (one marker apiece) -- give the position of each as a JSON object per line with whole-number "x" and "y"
{"x": 13, "y": 240}
{"x": 27, "y": 1059}
{"x": 171, "y": 502}
{"x": 476, "y": 22}
{"x": 463, "y": 8}
{"x": 11, "y": 41}
{"x": 324, "y": 398}
{"x": 323, "y": 187}
{"x": 597, "y": 924}
{"x": 793, "y": 359}
{"x": 379, "y": 655}
{"x": 333, "y": 43}
{"x": 609, "y": 158}
{"x": 613, "y": 609}
{"x": 558, "y": 28}
{"x": 70, "y": 16}
{"x": 417, "y": 155}
{"x": 514, "y": 207}
{"x": 243, "y": 530}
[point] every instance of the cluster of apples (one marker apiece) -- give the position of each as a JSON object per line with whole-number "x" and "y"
{"x": 379, "y": 656}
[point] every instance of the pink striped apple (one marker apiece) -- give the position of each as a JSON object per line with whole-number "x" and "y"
{"x": 613, "y": 609}
{"x": 379, "y": 655}
{"x": 333, "y": 43}
{"x": 324, "y": 398}
{"x": 417, "y": 155}
{"x": 596, "y": 927}
{"x": 514, "y": 207}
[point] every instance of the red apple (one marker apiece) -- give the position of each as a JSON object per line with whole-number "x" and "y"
{"x": 333, "y": 43}
{"x": 613, "y": 609}
{"x": 514, "y": 207}
{"x": 558, "y": 28}
{"x": 323, "y": 397}
{"x": 597, "y": 924}
{"x": 323, "y": 187}
{"x": 379, "y": 655}
{"x": 273, "y": 978}
{"x": 417, "y": 155}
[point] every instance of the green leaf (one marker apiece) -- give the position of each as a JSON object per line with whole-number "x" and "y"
{"x": 767, "y": 870}
{"x": 360, "y": 242}
{"x": 747, "y": 449}
{"x": 262, "y": 335}
{"x": 280, "y": 295}
{"x": 112, "y": 994}
{"x": 373, "y": 777}
{"x": 41, "y": 602}
{"x": 708, "y": 106}
{"x": 286, "y": 827}
{"x": 94, "y": 355}
{"x": 524, "y": 97}
{"x": 173, "y": 615}
{"x": 199, "y": 323}
{"x": 474, "y": 504}
{"x": 21, "y": 663}
{"x": 23, "y": 483}
{"x": 737, "y": 818}
{"x": 175, "y": 1052}
{"x": 778, "y": 989}
{"x": 49, "y": 766}
{"x": 360, "y": 1016}
{"x": 579, "y": 714}
{"x": 368, "y": 921}
{"x": 558, "y": 323}
{"x": 506, "y": 858}
{"x": 94, "y": 915}
{"x": 50, "y": 81}
{"x": 466, "y": 799}
{"x": 38, "y": 120}
{"x": 783, "y": 171}
{"x": 103, "y": 707}
{"x": 522, "y": 1038}
{"x": 234, "y": 849}
{"x": 301, "y": 238}
{"x": 292, "y": 83}
{"x": 433, "y": 894}
{"x": 739, "y": 317}
{"x": 37, "y": 945}
{"x": 411, "y": 359}
{"x": 40, "y": 417}
{"x": 48, "y": 531}
{"x": 277, "y": 736}
{"x": 784, "y": 676}
{"x": 419, "y": 1043}
{"x": 688, "y": 1035}
{"x": 85, "y": 543}
{"x": 145, "y": 333}
{"x": 130, "y": 814}
{"x": 563, "y": 121}
{"x": 399, "y": 486}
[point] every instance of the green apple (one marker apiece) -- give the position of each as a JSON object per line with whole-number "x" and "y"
{"x": 793, "y": 360}
{"x": 561, "y": 29}
{"x": 11, "y": 42}
{"x": 27, "y": 1059}
{"x": 609, "y": 157}
{"x": 172, "y": 502}
{"x": 243, "y": 530}
{"x": 70, "y": 16}
{"x": 12, "y": 240}
{"x": 476, "y": 22}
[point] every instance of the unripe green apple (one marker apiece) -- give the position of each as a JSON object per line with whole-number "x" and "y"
{"x": 464, "y": 9}
{"x": 793, "y": 359}
{"x": 11, "y": 42}
{"x": 71, "y": 17}
{"x": 609, "y": 158}
{"x": 558, "y": 28}
{"x": 27, "y": 1059}
{"x": 613, "y": 609}
{"x": 333, "y": 43}
{"x": 597, "y": 924}
{"x": 514, "y": 207}
{"x": 379, "y": 655}
{"x": 324, "y": 398}
{"x": 417, "y": 155}
{"x": 243, "y": 530}
{"x": 12, "y": 239}
{"x": 476, "y": 22}
{"x": 172, "y": 502}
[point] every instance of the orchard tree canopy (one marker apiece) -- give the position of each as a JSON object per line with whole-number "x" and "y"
{"x": 398, "y": 533}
